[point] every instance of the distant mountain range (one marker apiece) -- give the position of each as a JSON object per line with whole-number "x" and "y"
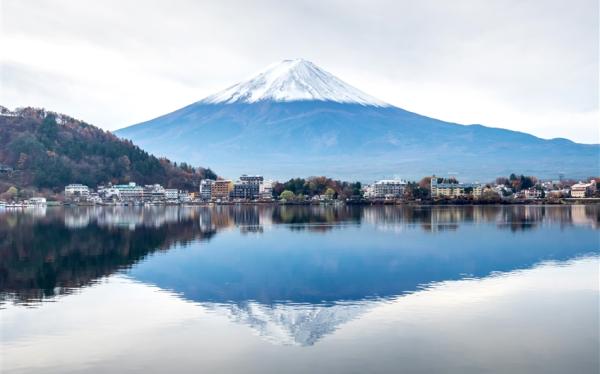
{"x": 295, "y": 119}
{"x": 49, "y": 150}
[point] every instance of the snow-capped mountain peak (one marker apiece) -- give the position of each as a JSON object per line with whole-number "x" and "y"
{"x": 293, "y": 80}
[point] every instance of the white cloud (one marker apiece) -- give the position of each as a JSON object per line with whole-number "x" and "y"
{"x": 528, "y": 66}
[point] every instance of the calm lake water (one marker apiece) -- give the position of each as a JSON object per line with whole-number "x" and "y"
{"x": 300, "y": 290}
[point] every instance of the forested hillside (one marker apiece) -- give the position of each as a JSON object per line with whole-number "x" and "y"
{"x": 47, "y": 150}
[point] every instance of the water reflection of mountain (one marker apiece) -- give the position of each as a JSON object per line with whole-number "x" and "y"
{"x": 291, "y": 324}
{"x": 49, "y": 253}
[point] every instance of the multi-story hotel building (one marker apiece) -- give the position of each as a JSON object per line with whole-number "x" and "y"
{"x": 130, "y": 191}
{"x": 77, "y": 190}
{"x": 206, "y": 186}
{"x": 221, "y": 189}
{"x": 454, "y": 189}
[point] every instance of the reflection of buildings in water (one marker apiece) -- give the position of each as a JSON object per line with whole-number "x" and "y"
{"x": 524, "y": 217}
{"x": 292, "y": 324}
{"x": 254, "y": 218}
{"x": 585, "y": 215}
{"x": 76, "y": 221}
{"x": 124, "y": 216}
{"x": 430, "y": 218}
{"x": 514, "y": 217}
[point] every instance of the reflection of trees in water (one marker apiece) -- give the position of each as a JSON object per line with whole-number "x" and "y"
{"x": 42, "y": 255}
{"x": 315, "y": 218}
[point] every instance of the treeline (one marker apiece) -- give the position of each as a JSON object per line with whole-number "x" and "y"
{"x": 299, "y": 188}
{"x": 49, "y": 150}
{"x": 517, "y": 183}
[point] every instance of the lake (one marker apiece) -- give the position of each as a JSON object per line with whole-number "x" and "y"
{"x": 323, "y": 289}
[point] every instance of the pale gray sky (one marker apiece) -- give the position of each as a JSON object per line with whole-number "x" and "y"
{"x": 530, "y": 66}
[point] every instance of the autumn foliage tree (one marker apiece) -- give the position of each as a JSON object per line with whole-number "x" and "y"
{"x": 50, "y": 150}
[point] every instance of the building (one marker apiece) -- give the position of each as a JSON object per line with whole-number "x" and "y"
{"x": 265, "y": 190}
{"x": 369, "y": 191}
{"x": 154, "y": 192}
{"x": 77, "y": 190}
{"x": 109, "y": 192}
{"x": 389, "y": 188}
{"x": 532, "y": 193}
{"x": 581, "y": 189}
{"x": 441, "y": 189}
{"x": 248, "y": 187}
{"x": 95, "y": 198}
{"x": 252, "y": 179}
{"x": 37, "y": 201}
{"x": 221, "y": 189}
{"x": 245, "y": 191}
{"x": 171, "y": 194}
{"x": 206, "y": 187}
{"x": 130, "y": 191}
{"x": 186, "y": 197}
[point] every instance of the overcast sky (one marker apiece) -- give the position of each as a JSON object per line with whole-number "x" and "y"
{"x": 530, "y": 66}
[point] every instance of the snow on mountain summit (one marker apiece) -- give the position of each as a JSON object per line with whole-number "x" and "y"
{"x": 292, "y": 80}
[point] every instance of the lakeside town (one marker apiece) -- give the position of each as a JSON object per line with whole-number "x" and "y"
{"x": 321, "y": 190}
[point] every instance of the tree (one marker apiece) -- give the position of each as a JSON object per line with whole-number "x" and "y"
{"x": 502, "y": 181}
{"x": 425, "y": 183}
{"x": 329, "y": 192}
{"x": 357, "y": 189}
{"x": 287, "y": 195}
{"x": 11, "y": 193}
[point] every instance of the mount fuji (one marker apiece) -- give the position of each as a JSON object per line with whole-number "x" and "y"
{"x": 295, "y": 119}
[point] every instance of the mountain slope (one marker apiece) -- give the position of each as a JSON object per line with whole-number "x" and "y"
{"x": 50, "y": 150}
{"x": 294, "y": 119}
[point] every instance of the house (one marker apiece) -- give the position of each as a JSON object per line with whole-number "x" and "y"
{"x": 532, "y": 193}
{"x": 581, "y": 189}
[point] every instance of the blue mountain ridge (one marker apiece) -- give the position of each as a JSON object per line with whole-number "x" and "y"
{"x": 283, "y": 139}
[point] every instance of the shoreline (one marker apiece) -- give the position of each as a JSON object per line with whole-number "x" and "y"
{"x": 429, "y": 203}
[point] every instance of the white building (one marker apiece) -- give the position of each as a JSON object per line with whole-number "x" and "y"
{"x": 109, "y": 192}
{"x": 37, "y": 201}
{"x": 76, "y": 189}
{"x": 154, "y": 192}
{"x": 583, "y": 189}
{"x": 265, "y": 190}
{"x": 532, "y": 193}
{"x": 171, "y": 194}
{"x": 368, "y": 191}
{"x": 389, "y": 188}
{"x": 130, "y": 191}
{"x": 206, "y": 186}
